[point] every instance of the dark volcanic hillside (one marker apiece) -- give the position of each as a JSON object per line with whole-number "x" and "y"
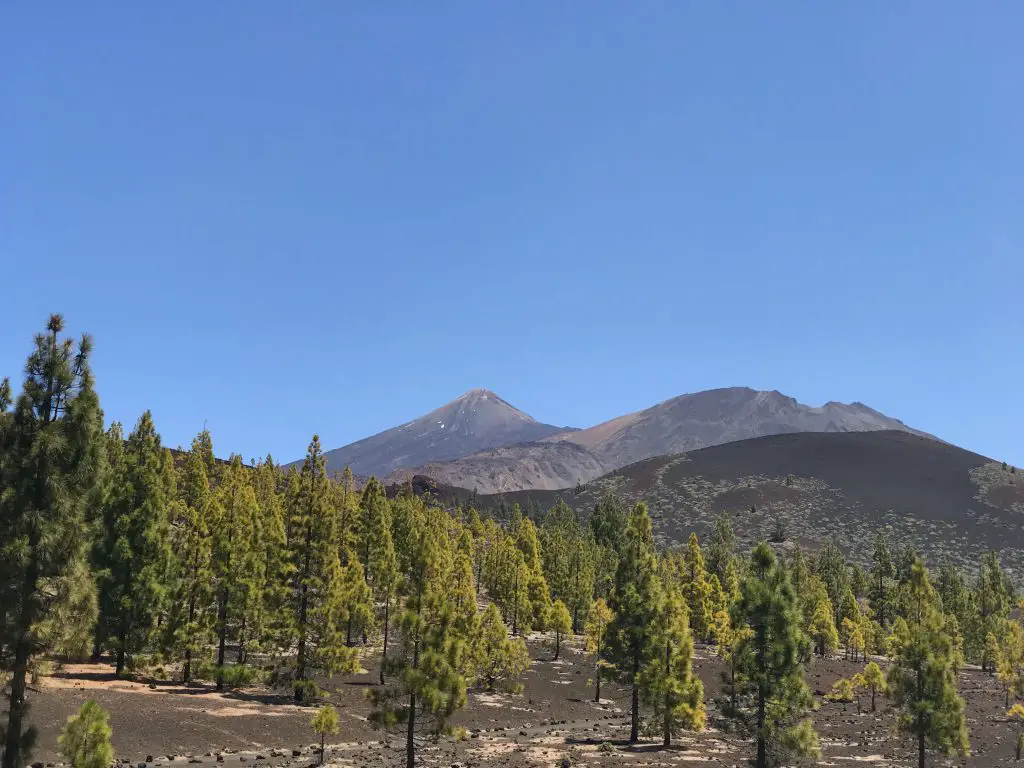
{"x": 476, "y": 421}
{"x": 946, "y": 501}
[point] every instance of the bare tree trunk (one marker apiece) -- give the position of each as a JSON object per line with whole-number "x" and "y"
{"x": 634, "y": 726}
{"x": 384, "y": 652}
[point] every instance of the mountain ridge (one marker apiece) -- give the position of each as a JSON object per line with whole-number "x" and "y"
{"x": 481, "y": 441}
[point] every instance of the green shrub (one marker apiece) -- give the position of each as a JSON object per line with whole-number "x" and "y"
{"x": 85, "y": 740}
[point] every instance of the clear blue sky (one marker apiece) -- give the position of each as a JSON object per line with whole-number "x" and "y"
{"x": 287, "y": 218}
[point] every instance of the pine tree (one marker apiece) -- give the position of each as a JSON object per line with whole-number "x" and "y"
{"x": 859, "y": 581}
{"x": 597, "y": 625}
{"x": 324, "y": 724}
{"x": 1016, "y": 712}
{"x": 921, "y": 675}
{"x": 135, "y": 542}
{"x": 384, "y": 577}
{"x": 463, "y": 591}
{"x": 958, "y": 601}
{"x": 635, "y": 601}
{"x": 272, "y": 621}
{"x": 830, "y": 566}
{"x": 608, "y": 522}
{"x": 536, "y": 585}
{"x": 374, "y": 520}
{"x": 722, "y": 551}
{"x": 50, "y": 460}
{"x": 567, "y": 553}
{"x": 851, "y": 630}
{"x": 842, "y": 691}
{"x": 1010, "y": 662}
{"x": 993, "y": 596}
{"x": 189, "y": 625}
{"x": 235, "y": 559}
{"x": 697, "y": 590}
{"x": 800, "y": 577}
{"x": 494, "y": 658}
{"x": 772, "y": 694}
{"x": 315, "y": 599}
{"x": 881, "y": 574}
{"x": 67, "y": 629}
{"x": 427, "y": 687}
{"x": 85, "y": 740}
{"x": 674, "y": 694}
{"x": 874, "y": 680}
{"x": 559, "y": 623}
{"x": 821, "y": 625}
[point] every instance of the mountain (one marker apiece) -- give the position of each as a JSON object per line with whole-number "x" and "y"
{"x": 474, "y": 422}
{"x": 948, "y": 503}
{"x": 717, "y": 416}
{"x": 684, "y": 423}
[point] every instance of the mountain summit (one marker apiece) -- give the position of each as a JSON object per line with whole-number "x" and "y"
{"x": 474, "y": 422}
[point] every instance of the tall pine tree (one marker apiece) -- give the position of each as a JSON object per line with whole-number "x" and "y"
{"x": 772, "y": 698}
{"x": 922, "y": 677}
{"x": 635, "y": 601}
{"x": 674, "y": 694}
{"x": 235, "y": 560}
{"x": 316, "y": 600}
{"x": 50, "y": 461}
{"x": 135, "y": 551}
{"x": 189, "y": 624}
{"x": 427, "y": 687}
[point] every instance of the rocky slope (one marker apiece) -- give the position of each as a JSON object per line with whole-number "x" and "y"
{"x": 476, "y": 421}
{"x": 546, "y": 466}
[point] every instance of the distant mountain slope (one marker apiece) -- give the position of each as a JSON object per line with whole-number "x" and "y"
{"x": 547, "y": 466}
{"x": 684, "y": 423}
{"x": 718, "y": 416}
{"x": 476, "y": 421}
{"x": 947, "y": 502}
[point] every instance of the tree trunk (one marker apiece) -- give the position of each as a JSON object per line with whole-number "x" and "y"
{"x": 323, "y": 738}
{"x": 122, "y": 646}
{"x": 872, "y": 699}
{"x": 881, "y": 599}
{"x": 186, "y": 670}
{"x": 920, "y": 718}
{"x": 762, "y": 754}
{"x": 667, "y": 735}
{"x": 241, "y": 643}
{"x": 12, "y": 750}
{"x": 515, "y": 606}
{"x": 634, "y": 727}
{"x": 222, "y": 633}
{"x": 410, "y": 744}
{"x": 300, "y": 660}
{"x": 384, "y": 652}
{"x": 558, "y": 644}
